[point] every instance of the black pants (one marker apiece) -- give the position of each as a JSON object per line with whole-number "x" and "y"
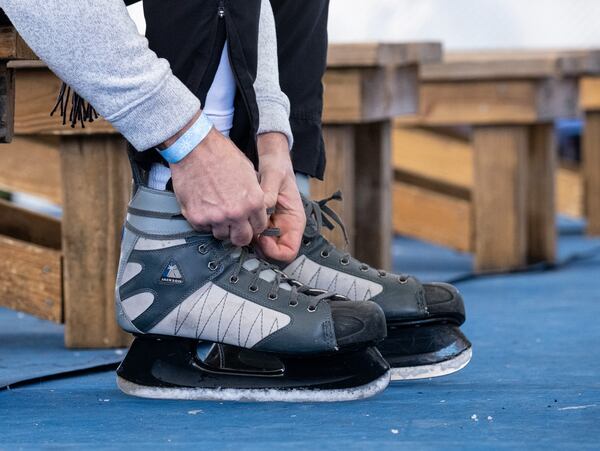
{"x": 302, "y": 50}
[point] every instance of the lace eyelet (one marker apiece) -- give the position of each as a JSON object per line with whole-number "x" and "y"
{"x": 272, "y": 297}
{"x": 234, "y": 279}
{"x": 306, "y": 242}
{"x": 293, "y": 303}
{"x": 324, "y": 254}
{"x": 381, "y": 274}
{"x": 402, "y": 280}
{"x": 311, "y": 308}
{"x": 253, "y": 288}
{"x": 212, "y": 266}
{"x": 364, "y": 268}
{"x": 344, "y": 261}
{"x": 202, "y": 249}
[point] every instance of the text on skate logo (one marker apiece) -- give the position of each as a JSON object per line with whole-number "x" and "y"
{"x": 171, "y": 273}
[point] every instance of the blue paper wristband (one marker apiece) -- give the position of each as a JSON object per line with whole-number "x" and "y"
{"x": 188, "y": 141}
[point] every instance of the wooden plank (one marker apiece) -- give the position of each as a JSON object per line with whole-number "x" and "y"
{"x": 434, "y": 154}
{"x": 339, "y": 175}
{"x": 373, "y": 196}
{"x": 541, "y": 211}
{"x": 31, "y": 164}
{"x": 12, "y": 46}
{"x": 369, "y": 95}
{"x": 496, "y": 102}
{"x": 29, "y": 226}
{"x": 499, "y": 197}
{"x": 96, "y": 184}
{"x": 432, "y": 216}
{"x": 589, "y": 93}
{"x": 569, "y": 191}
{"x": 591, "y": 168}
{"x": 374, "y": 54}
{"x": 36, "y": 92}
{"x": 512, "y": 64}
{"x": 7, "y": 103}
{"x": 30, "y": 279}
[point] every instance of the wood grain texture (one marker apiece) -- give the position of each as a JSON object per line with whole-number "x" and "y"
{"x": 499, "y": 197}
{"x": 96, "y": 185}
{"x": 30, "y": 279}
{"x": 29, "y": 226}
{"x": 31, "y": 164}
{"x": 569, "y": 191}
{"x": 355, "y": 95}
{"x": 7, "y": 103}
{"x": 375, "y": 54}
{"x": 339, "y": 175}
{"x": 434, "y": 154}
{"x": 12, "y": 46}
{"x": 589, "y": 93}
{"x": 513, "y": 64}
{"x": 431, "y": 216}
{"x": 541, "y": 211}
{"x": 373, "y": 194}
{"x": 496, "y": 102}
{"x": 36, "y": 92}
{"x": 591, "y": 170}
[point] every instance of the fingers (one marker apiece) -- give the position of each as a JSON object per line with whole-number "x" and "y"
{"x": 241, "y": 234}
{"x": 271, "y": 185}
{"x": 221, "y": 231}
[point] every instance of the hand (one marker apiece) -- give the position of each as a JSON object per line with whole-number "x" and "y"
{"x": 281, "y": 192}
{"x": 217, "y": 188}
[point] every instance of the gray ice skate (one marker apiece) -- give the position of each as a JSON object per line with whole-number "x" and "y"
{"x": 424, "y": 337}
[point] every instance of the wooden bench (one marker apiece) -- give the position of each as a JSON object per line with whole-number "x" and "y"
{"x": 487, "y": 122}
{"x": 366, "y": 87}
{"x": 65, "y": 270}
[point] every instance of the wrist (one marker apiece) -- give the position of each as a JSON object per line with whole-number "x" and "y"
{"x": 272, "y": 142}
{"x": 183, "y": 143}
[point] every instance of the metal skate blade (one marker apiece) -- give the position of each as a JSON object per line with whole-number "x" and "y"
{"x": 434, "y": 370}
{"x": 256, "y": 395}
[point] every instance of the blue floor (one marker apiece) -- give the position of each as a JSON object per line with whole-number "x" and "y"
{"x": 534, "y": 382}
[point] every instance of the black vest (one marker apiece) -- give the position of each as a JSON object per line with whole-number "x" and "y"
{"x": 190, "y": 34}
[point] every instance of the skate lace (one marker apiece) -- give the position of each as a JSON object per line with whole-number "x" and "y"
{"x": 323, "y": 216}
{"x": 246, "y": 259}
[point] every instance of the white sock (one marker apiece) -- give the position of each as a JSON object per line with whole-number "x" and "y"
{"x": 303, "y": 182}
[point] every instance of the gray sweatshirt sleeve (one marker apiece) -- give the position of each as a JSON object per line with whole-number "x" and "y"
{"x": 273, "y": 104}
{"x": 94, "y": 46}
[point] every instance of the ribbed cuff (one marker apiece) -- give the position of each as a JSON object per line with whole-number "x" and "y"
{"x": 274, "y": 117}
{"x": 158, "y": 116}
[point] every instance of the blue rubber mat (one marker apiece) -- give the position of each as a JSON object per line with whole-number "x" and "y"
{"x": 533, "y": 383}
{"x": 31, "y": 348}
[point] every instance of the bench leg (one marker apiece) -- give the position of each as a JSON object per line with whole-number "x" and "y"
{"x": 499, "y": 196}
{"x": 96, "y": 183}
{"x": 339, "y": 175}
{"x": 541, "y": 212}
{"x": 591, "y": 170}
{"x": 373, "y": 220}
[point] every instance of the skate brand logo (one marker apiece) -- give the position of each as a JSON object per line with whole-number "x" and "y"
{"x": 171, "y": 273}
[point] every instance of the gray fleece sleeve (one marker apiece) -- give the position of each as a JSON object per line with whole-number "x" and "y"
{"x": 94, "y": 46}
{"x": 273, "y": 104}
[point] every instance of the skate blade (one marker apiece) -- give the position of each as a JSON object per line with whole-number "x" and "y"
{"x": 256, "y": 395}
{"x": 434, "y": 370}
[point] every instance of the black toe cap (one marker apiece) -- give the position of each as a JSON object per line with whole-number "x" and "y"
{"x": 357, "y": 323}
{"x": 444, "y": 300}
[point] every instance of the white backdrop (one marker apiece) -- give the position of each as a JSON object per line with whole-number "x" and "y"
{"x": 463, "y": 24}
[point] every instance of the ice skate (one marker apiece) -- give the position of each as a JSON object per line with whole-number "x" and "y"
{"x": 215, "y": 322}
{"x": 424, "y": 337}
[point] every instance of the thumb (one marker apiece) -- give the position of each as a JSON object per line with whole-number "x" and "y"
{"x": 271, "y": 186}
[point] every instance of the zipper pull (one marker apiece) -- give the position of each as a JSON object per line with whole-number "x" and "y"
{"x": 221, "y": 10}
